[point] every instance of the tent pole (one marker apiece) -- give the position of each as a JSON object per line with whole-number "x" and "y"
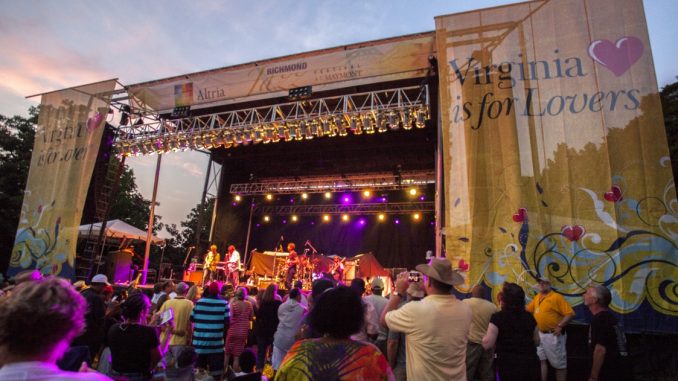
{"x": 151, "y": 219}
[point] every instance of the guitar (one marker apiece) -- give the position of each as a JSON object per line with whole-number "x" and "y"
{"x": 337, "y": 266}
{"x": 211, "y": 260}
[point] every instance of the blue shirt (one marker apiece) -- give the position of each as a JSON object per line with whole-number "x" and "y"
{"x": 209, "y": 316}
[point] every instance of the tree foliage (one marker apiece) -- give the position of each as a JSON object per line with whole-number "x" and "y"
{"x": 669, "y": 98}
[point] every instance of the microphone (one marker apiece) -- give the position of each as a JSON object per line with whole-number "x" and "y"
{"x": 282, "y": 238}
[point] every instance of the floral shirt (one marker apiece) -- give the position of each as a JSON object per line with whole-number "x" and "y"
{"x": 320, "y": 360}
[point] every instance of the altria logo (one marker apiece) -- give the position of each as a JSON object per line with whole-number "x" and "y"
{"x": 523, "y": 78}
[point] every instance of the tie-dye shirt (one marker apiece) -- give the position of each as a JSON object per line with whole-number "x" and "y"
{"x": 322, "y": 360}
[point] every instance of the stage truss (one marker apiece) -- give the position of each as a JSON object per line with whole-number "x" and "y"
{"x": 353, "y": 209}
{"x": 368, "y": 112}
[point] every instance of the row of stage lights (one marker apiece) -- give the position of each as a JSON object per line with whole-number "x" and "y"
{"x": 381, "y": 217}
{"x": 331, "y": 126}
{"x": 328, "y": 195}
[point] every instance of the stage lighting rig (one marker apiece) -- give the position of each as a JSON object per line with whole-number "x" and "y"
{"x": 300, "y": 93}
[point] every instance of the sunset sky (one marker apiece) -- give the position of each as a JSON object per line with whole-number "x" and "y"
{"x": 48, "y": 45}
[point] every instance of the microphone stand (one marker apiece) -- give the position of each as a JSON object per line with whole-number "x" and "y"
{"x": 275, "y": 258}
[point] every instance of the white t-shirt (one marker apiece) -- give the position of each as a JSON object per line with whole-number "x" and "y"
{"x": 436, "y": 329}
{"x": 42, "y": 371}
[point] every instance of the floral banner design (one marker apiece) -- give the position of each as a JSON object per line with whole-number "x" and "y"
{"x": 555, "y": 153}
{"x": 67, "y": 139}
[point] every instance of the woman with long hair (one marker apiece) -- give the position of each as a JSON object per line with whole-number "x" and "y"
{"x": 242, "y": 313}
{"x": 266, "y": 322}
{"x": 135, "y": 347}
{"x": 514, "y": 334}
{"x": 337, "y": 315}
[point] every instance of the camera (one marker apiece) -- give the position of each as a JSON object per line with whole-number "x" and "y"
{"x": 414, "y": 276}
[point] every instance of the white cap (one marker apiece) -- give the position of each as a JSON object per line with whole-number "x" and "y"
{"x": 101, "y": 278}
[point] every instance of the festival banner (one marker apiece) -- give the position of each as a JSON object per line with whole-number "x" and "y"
{"x": 555, "y": 154}
{"x": 359, "y": 64}
{"x": 67, "y": 139}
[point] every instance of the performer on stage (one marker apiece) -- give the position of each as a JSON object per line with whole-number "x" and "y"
{"x": 337, "y": 269}
{"x": 292, "y": 264}
{"x": 209, "y": 266}
{"x": 233, "y": 266}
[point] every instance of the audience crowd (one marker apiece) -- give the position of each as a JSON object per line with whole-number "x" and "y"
{"x": 416, "y": 328}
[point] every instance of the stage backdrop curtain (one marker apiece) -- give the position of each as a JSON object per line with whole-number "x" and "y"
{"x": 555, "y": 154}
{"x": 67, "y": 139}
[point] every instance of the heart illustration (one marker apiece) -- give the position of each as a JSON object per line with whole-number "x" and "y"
{"x": 463, "y": 266}
{"x": 573, "y": 233}
{"x": 614, "y": 195}
{"x": 617, "y": 57}
{"x": 521, "y": 215}
{"x": 94, "y": 121}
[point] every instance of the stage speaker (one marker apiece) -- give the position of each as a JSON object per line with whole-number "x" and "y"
{"x": 349, "y": 271}
{"x": 118, "y": 266}
{"x": 193, "y": 276}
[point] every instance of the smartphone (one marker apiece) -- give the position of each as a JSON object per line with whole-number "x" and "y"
{"x": 166, "y": 316}
{"x": 414, "y": 276}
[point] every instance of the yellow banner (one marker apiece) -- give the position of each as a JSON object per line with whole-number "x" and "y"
{"x": 70, "y": 128}
{"x": 372, "y": 62}
{"x": 555, "y": 154}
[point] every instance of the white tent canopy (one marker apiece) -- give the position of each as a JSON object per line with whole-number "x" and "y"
{"x": 117, "y": 229}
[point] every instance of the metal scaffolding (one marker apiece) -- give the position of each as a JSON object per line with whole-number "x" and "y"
{"x": 353, "y": 209}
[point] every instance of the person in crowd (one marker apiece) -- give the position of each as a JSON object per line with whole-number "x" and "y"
{"x": 233, "y": 264}
{"x": 167, "y": 289}
{"x": 436, "y": 328}
{"x": 247, "y": 362}
{"x": 607, "y": 341}
{"x": 135, "y": 347}
{"x": 242, "y": 313}
{"x": 210, "y": 317}
{"x": 94, "y": 334}
{"x": 338, "y": 314}
{"x": 300, "y": 286}
{"x": 253, "y": 296}
{"x": 514, "y": 335}
{"x": 29, "y": 346}
{"x": 266, "y": 323}
{"x": 290, "y": 315}
{"x": 193, "y": 294}
{"x": 396, "y": 349}
{"x": 379, "y": 302}
{"x": 184, "y": 368}
{"x": 181, "y": 334}
{"x": 305, "y": 330}
{"x": 157, "y": 292}
{"x": 552, "y": 314}
{"x": 370, "y": 328}
{"x": 478, "y": 359}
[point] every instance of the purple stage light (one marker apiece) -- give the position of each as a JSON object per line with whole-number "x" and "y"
{"x": 383, "y": 199}
{"x": 397, "y": 222}
{"x": 292, "y": 200}
{"x": 346, "y": 199}
{"x": 422, "y": 198}
{"x": 362, "y": 221}
{"x": 234, "y": 203}
{"x": 284, "y": 221}
{"x": 258, "y": 225}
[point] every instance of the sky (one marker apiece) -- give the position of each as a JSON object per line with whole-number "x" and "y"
{"x": 49, "y": 44}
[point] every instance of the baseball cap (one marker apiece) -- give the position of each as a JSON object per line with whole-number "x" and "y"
{"x": 100, "y": 278}
{"x": 378, "y": 284}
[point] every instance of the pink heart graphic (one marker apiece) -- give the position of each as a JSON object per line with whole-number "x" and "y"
{"x": 573, "y": 233}
{"x": 463, "y": 266}
{"x": 618, "y": 57}
{"x": 94, "y": 121}
{"x": 614, "y": 195}
{"x": 520, "y": 216}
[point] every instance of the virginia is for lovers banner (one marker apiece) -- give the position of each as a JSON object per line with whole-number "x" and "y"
{"x": 556, "y": 161}
{"x": 70, "y": 128}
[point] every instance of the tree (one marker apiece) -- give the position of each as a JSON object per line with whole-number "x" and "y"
{"x": 669, "y": 98}
{"x": 16, "y": 146}
{"x": 186, "y": 235}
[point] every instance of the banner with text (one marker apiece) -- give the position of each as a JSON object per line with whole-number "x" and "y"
{"x": 67, "y": 139}
{"x": 555, "y": 154}
{"x": 378, "y": 61}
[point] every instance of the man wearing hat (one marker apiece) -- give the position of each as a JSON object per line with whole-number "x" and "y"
{"x": 93, "y": 336}
{"x": 379, "y": 303}
{"x": 436, "y": 327}
{"x": 552, "y": 314}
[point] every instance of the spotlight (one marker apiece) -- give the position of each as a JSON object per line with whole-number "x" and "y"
{"x": 397, "y": 222}
{"x": 416, "y": 216}
{"x": 237, "y": 198}
{"x": 392, "y": 120}
{"x": 304, "y": 196}
{"x": 381, "y": 217}
{"x": 421, "y": 116}
{"x": 328, "y": 195}
{"x": 355, "y": 125}
{"x": 269, "y": 197}
{"x": 368, "y": 123}
{"x": 344, "y": 217}
{"x": 413, "y": 191}
{"x": 294, "y": 218}
{"x": 267, "y": 218}
{"x": 382, "y": 124}
{"x": 326, "y": 217}
{"x": 406, "y": 117}
{"x": 367, "y": 193}
{"x": 268, "y": 134}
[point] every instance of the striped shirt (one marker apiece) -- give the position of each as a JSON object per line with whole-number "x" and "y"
{"x": 209, "y": 316}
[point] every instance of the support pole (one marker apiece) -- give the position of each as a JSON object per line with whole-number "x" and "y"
{"x": 151, "y": 219}
{"x": 198, "y": 228}
{"x": 249, "y": 231}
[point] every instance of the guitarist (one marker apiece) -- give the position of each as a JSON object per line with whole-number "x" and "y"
{"x": 337, "y": 269}
{"x": 233, "y": 266}
{"x": 292, "y": 264}
{"x": 209, "y": 266}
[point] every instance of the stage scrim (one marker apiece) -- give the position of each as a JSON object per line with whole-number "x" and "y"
{"x": 555, "y": 153}
{"x": 70, "y": 128}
